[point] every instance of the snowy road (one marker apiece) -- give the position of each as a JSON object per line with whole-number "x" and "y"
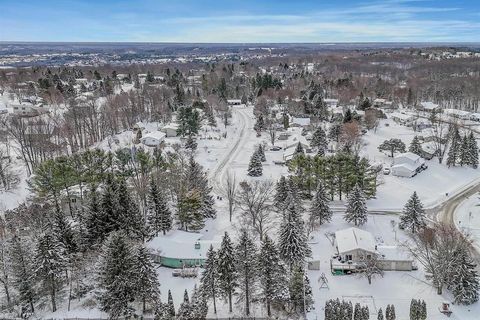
{"x": 218, "y": 174}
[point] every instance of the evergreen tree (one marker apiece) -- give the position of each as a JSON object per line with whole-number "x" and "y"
{"x": 209, "y": 277}
{"x": 159, "y": 215}
{"x": 380, "y": 314}
{"x": 170, "y": 306}
{"x": 415, "y": 146}
{"x": 116, "y": 277}
{"x": 197, "y": 181}
{"x": 472, "y": 151}
{"x": 22, "y": 272}
{"x": 356, "y": 207}
{"x": 293, "y": 244}
{"x": 198, "y": 305}
{"x": 96, "y": 226}
{"x": 455, "y": 148}
{"x": 272, "y": 274}
{"x": 465, "y": 284}
{"x": 464, "y": 151}
{"x": 191, "y": 144}
{"x": 413, "y": 215}
{"x": 185, "y": 310}
{"x": 261, "y": 152}
{"x": 64, "y": 232}
{"x": 255, "y": 167}
{"x": 109, "y": 218}
{"x": 390, "y": 312}
{"x": 300, "y": 291}
{"x": 423, "y": 311}
{"x": 189, "y": 214}
{"x": 227, "y": 275}
{"x": 50, "y": 264}
{"x": 281, "y": 192}
{"x": 319, "y": 141}
{"x": 131, "y": 219}
{"x": 146, "y": 282}
{"x": 414, "y": 310}
{"x": 245, "y": 254}
{"x": 299, "y": 149}
{"x": 320, "y": 212}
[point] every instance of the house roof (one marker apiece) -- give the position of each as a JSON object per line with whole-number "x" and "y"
{"x": 157, "y": 135}
{"x": 301, "y": 121}
{"x": 179, "y": 244}
{"x": 407, "y": 166}
{"x": 354, "y": 238}
{"x": 407, "y": 155}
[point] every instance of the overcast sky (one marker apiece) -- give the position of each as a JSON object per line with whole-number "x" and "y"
{"x": 240, "y": 20}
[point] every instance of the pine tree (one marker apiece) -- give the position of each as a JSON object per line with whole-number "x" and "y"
{"x": 356, "y": 207}
{"x": 146, "y": 282}
{"x": 255, "y": 167}
{"x": 50, "y": 264}
{"x": 464, "y": 151}
{"x": 227, "y": 275}
{"x": 299, "y": 149}
{"x": 116, "y": 274}
{"x": 189, "y": 214}
{"x": 170, "y": 306}
{"x": 390, "y": 312}
{"x": 365, "y": 313}
{"x": 465, "y": 284}
{"x": 198, "y": 305}
{"x": 109, "y": 217}
{"x": 159, "y": 215}
{"x": 319, "y": 141}
{"x": 96, "y": 227}
{"x": 191, "y": 144}
{"x": 197, "y": 182}
{"x": 245, "y": 254}
{"x": 293, "y": 244}
{"x": 357, "y": 313}
{"x": 415, "y": 146}
{"x": 392, "y": 145}
{"x": 209, "y": 277}
{"x": 131, "y": 219}
{"x": 185, "y": 309}
{"x": 472, "y": 151}
{"x": 414, "y": 310}
{"x": 64, "y": 232}
{"x": 281, "y": 192}
{"x": 320, "y": 212}
{"x": 380, "y": 314}
{"x": 455, "y": 148}
{"x": 22, "y": 272}
{"x": 261, "y": 152}
{"x": 272, "y": 274}
{"x": 423, "y": 311}
{"x": 300, "y": 291}
{"x": 413, "y": 215}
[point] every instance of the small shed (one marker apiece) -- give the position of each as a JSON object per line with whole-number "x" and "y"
{"x": 170, "y": 130}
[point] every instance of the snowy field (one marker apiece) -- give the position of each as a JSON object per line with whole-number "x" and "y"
{"x": 467, "y": 218}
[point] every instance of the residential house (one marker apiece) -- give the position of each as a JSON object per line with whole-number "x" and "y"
{"x": 407, "y": 165}
{"x": 153, "y": 139}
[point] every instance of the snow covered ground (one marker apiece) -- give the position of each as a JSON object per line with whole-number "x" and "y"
{"x": 467, "y": 218}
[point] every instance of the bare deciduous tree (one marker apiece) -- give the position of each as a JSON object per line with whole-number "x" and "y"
{"x": 254, "y": 201}
{"x": 230, "y": 192}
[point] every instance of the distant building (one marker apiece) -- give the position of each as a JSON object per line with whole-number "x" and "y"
{"x": 170, "y": 130}
{"x": 456, "y": 113}
{"x": 234, "y": 102}
{"x": 153, "y": 139}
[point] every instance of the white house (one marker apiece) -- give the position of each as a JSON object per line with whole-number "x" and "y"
{"x": 300, "y": 122}
{"x": 234, "y": 102}
{"x": 429, "y": 106}
{"x": 153, "y": 139}
{"x": 407, "y": 164}
{"x": 354, "y": 244}
{"x": 170, "y": 130}
{"x": 455, "y": 113}
{"x": 402, "y": 118}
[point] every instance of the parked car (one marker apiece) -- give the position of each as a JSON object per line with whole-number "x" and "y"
{"x": 275, "y": 148}
{"x": 386, "y": 171}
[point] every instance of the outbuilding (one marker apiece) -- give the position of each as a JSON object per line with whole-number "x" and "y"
{"x": 153, "y": 139}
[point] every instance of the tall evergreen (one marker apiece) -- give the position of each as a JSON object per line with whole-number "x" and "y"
{"x": 415, "y": 146}
{"x": 465, "y": 281}
{"x": 272, "y": 275}
{"x": 209, "y": 277}
{"x": 356, "y": 207}
{"x": 109, "y": 218}
{"x": 472, "y": 151}
{"x": 255, "y": 167}
{"x": 299, "y": 149}
{"x": 96, "y": 226}
{"x": 390, "y": 312}
{"x": 227, "y": 274}
{"x": 300, "y": 292}
{"x": 245, "y": 256}
{"x": 146, "y": 281}
{"x": 197, "y": 181}
{"x": 293, "y": 245}
{"x": 116, "y": 277}
{"x": 464, "y": 151}
{"x": 261, "y": 152}
{"x": 170, "y": 306}
{"x": 63, "y": 230}
{"x": 320, "y": 212}
{"x": 185, "y": 309}
{"x": 198, "y": 304}
{"x": 380, "y": 314}
{"x": 319, "y": 141}
{"x": 189, "y": 214}
{"x": 131, "y": 219}
{"x": 454, "y": 153}
{"x": 281, "y": 192}
{"x": 50, "y": 265}
{"x": 159, "y": 215}
{"x": 22, "y": 271}
{"x": 413, "y": 216}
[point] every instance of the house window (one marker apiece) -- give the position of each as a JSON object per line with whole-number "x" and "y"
{"x": 348, "y": 257}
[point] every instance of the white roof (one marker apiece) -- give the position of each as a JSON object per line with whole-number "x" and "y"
{"x": 428, "y": 105}
{"x": 456, "y": 112}
{"x": 181, "y": 245}
{"x": 406, "y": 166}
{"x": 402, "y": 116}
{"x": 301, "y": 121}
{"x": 234, "y": 100}
{"x": 354, "y": 238}
{"x": 172, "y": 126}
{"x": 157, "y": 135}
{"x": 407, "y": 155}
